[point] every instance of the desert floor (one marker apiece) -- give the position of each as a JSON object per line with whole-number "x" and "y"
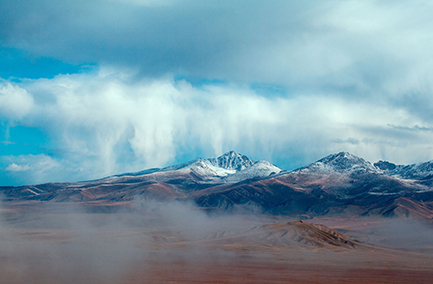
{"x": 74, "y": 244}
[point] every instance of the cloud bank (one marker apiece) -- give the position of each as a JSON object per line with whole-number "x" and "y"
{"x": 108, "y": 122}
{"x": 357, "y": 45}
{"x": 286, "y": 81}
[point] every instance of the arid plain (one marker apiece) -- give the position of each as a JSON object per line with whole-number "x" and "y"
{"x": 150, "y": 242}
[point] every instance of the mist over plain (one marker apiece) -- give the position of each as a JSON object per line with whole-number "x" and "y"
{"x": 69, "y": 243}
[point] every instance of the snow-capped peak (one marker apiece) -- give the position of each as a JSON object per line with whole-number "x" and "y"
{"x": 385, "y": 166}
{"x": 414, "y": 171}
{"x": 259, "y": 169}
{"x": 232, "y": 161}
{"x": 340, "y": 162}
{"x": 205, "y": 168}
{"x": 232, "y": 167}
{"x": 229, "y": 167}
{"x": 418, "y": 171}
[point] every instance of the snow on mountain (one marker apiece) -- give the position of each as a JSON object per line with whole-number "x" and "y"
{"x": 229, "y": 167}
{"x": 347, "y": 176}
{"x": 340, "y": 182}
{"x": 415, "y": 171}
{"x": 388, "y": 168}
{"x": 340, "y": 162}
{"x": 206, "y": 168}
{"x": 257, "y": 170}
{"x": 232, "y": 161}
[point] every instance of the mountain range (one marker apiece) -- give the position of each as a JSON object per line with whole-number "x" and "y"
{"x": 339, "y": 184}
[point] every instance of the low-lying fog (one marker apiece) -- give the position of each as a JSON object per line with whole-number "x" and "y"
{"x": 67, "y": 243}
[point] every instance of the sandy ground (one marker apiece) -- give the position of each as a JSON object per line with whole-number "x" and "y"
{"x": 188, "y": 267}
{"x": 55, "y": 244}
{"x": 258, "y": 270}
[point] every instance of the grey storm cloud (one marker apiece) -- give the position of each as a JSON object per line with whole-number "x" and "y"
{"x": 346, "y": 73}
{"x": 106, "y": 122}
{"x": 358, "y": 50}
{"x": 180, "y": 36}
{"x": 342, "y": 45}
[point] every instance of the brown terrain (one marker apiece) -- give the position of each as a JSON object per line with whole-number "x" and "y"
{"x": 225, "y": 220}
{"x": 67, "y": 243}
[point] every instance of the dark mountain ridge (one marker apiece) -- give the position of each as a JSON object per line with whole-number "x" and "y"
{"x": 338, "y": 184}
{"x": 420, "y": 171}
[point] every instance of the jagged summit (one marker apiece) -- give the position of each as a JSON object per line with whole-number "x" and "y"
{"x": 228, "y": 168}
{"x": 232, "y": 161}
{"x": 415, "y": 171}
{"x": 385, "y": 166}
{"x": 340, "y": 183}
{"x": 343, "y": 161}
{"x": 340, "y": 162}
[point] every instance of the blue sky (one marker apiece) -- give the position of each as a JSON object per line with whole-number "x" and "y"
{"x": 95, "y": 88}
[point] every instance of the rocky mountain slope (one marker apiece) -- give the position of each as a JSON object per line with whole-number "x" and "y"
{"x": 339, "y": 184}
{"x": 422, "y": 172}
{"x": 158, "y": 183}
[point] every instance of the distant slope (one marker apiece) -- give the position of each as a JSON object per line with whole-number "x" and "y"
{"x": 339, "y": 184}
{"x": 166, "y": 184}
{"x": 421, "y": 171}
{"x": 277, "y": 236}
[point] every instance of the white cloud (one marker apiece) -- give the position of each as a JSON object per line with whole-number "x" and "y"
{"x": 31, "y": 169}
{"x": 357, "y": 75}
{"x": 17, "y": 168}
{"x": 108, "y": 122}
{"x": 306, "y": 43}
{"x": 15, "y": 102}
